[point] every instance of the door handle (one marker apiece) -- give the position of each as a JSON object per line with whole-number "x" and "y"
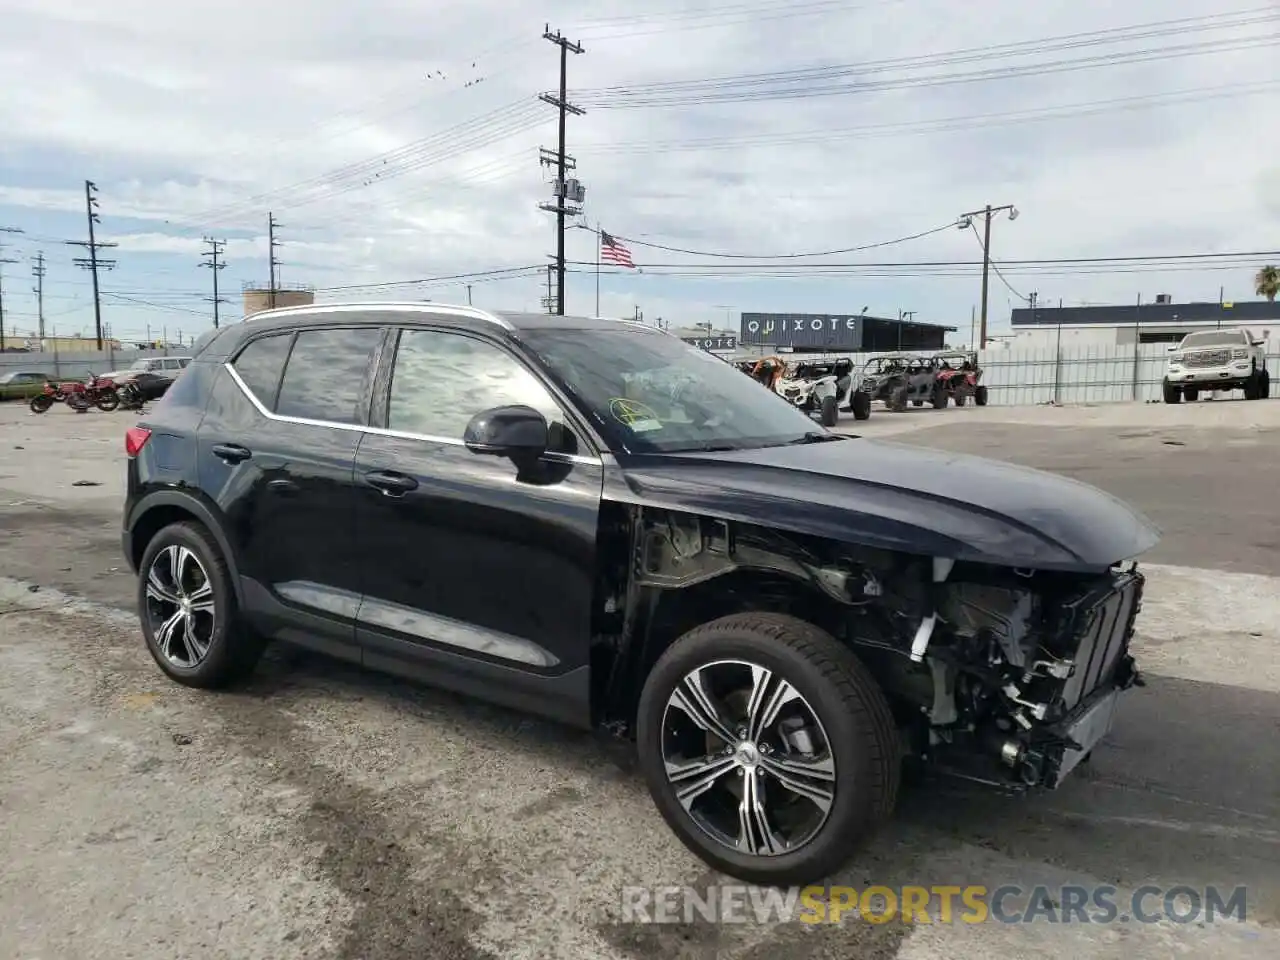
{"x": 231, "y": 452}
{"x": 391, "y": 484}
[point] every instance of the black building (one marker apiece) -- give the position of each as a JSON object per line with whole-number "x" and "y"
{"x": 839, "y": 333}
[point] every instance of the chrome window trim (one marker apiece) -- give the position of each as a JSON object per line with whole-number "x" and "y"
{"x": 393, "y": 306}
{"x": 380, "y": 431}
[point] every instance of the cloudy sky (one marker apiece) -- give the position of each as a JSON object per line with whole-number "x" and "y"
{"x": 398, "y": 141}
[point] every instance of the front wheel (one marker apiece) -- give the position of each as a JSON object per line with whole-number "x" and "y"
{"x": 190, "y": 617}
{"x": 78, "y": 402}
{"x": 980, "y": 395}
{"x": 107, "y": 401}
{"x": 860, "y": 405}
{"x": 898, "y": 399}
{"x": 767, "y": 748}
{"x": 41, "y": 403}
{"x": 1170, "y": 393}
{"x": 830, "y": 412}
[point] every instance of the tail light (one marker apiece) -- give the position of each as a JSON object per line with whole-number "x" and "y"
{"x": 135, "y": 438}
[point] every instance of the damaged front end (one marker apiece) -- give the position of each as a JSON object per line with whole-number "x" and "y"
{"x": 1000, "y": 675}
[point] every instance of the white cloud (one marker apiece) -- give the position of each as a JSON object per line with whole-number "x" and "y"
{"x": 200, "y": 125}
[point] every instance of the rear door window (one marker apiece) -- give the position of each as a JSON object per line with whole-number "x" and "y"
{"x": 328, "y": 375}
{"x": 260, "y": 365}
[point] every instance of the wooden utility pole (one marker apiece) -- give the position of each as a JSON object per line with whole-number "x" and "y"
{"x": 93, "y": 262}
{"x": 565, "y": 194}
{"x": 966, "y": 221}
{"x": 214, "y": 263}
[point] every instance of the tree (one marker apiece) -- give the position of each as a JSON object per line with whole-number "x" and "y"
{"x": 1267, "y": 282}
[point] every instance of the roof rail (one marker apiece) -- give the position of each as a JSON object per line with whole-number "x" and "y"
{"x": 407, "y": 306}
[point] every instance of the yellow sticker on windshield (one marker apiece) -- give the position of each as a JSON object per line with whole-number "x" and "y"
{"x": 634, "y": 414}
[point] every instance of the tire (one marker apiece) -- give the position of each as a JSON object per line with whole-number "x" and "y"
{"x": 41, "y": 403}
{"x": 1264, "y": 385}
{"x": 939, "y": 397}
{"x": 1171, "y": 394}
{"x": 860, "y": 741}
{"x": 107, "y": 401}
{"x": 830, "y": 414}
{"x": 898, "y": 399}
{"x": 1190, "y": 393}
{"x": 959, "y": 399}
{"x": 980, "y": 395}
{"x": 231, "y": 649}
{"x": 860, "y": 405}
{"x": 77, "y": 402}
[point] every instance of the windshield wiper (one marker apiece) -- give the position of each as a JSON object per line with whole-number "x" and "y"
{"x": 813, "y": 436}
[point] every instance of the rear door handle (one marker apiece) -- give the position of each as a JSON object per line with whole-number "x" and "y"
{"x": 391, "y": 484}
{"x": 231, "y": 452}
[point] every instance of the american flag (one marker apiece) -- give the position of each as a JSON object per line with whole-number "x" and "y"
{"x": 611, "y": 251}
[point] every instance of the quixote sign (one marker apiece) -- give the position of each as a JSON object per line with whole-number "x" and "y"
{"x": 801, "y": 330}
{"x": 713, "y": 343}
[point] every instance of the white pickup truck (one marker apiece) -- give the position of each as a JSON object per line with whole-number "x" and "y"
{"x": 1217, "y": 360}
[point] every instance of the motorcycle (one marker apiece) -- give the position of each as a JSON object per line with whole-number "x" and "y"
{"x": 131, "y": 397}
{"x": 73, "y": 394}
{"x": 102, "y": 392}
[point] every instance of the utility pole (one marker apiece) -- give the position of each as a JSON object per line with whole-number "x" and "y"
{"x": 92, "y": 262}
{"x": 213, "y": 262}
{"x": 3, "y": 261}
{"x": 567, "y": 192}
{"x": 273, "y": 263}
{"x": 38, "y": 271}
{"x": 966, "y": 221}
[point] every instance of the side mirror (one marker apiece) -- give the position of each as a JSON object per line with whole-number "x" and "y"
{"x": 518, "y": 432}
{"x": 1174, "y": 348}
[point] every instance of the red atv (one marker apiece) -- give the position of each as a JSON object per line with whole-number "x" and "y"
{"x": 959, "y": 377}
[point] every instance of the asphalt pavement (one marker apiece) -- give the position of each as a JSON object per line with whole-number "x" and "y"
{"x": 323, "y": 812}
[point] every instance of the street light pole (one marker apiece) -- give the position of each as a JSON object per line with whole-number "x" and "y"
{"x": 965, "y": 223}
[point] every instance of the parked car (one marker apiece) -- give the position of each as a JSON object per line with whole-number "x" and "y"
{"x": 151, "y": 385}
{"x": 593, "y": 521}
{"x": 164, "y": 366}
{"x": 22, "y": 384}
{"x": 960, "y": 376}
{"x": 1216, "y": 360}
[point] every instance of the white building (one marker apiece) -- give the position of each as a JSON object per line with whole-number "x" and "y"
{"x": 1044, "y": 327}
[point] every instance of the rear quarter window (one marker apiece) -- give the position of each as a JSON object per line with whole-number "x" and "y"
{"x": 260, "y": 365}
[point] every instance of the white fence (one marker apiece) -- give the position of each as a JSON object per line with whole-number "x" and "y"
{"x": 76, "y": 365}
{"x": 1111, "y": 374}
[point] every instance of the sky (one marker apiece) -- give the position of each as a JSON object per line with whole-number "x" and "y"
{"x": 397, "y": 141}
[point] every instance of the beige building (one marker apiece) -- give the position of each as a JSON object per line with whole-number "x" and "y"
{"x": 259, "y": 297}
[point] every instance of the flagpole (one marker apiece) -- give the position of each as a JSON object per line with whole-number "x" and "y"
{"x": 597, "y": 268}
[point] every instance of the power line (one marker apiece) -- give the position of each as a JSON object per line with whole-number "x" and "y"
{"x": 497, "y": 274}
{"x": 1149, "y": 260}
{"x": 211, "y": 259}
{"x": 852, "y": 78}
{"x": 789, "y": 256}
{"x": 567, "y": 192}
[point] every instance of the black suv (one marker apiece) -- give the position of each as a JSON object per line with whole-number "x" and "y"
{"x": 594, "y": 521}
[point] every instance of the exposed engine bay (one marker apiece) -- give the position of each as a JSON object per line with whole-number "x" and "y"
{"x": 999, "y": 675}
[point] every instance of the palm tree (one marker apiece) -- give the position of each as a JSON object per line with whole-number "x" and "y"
{"x": 1267, "y": 282}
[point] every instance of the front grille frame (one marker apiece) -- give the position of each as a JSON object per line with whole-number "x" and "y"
{"x": 1097, "y": 628}
{"x": 1208, "y": 358}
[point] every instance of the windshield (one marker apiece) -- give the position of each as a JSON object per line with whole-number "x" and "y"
{"x": 651, "y": 393}
{"x": 1214, "y": 339}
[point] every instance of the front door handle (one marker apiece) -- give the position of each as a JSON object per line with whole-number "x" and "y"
{"x": 391, "y": 484}
{"x": 231, "y": 452}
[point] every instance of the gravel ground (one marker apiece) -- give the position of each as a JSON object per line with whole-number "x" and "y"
{"x": 324, "y": 812}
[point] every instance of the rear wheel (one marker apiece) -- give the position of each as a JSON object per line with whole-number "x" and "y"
{"x": 980, "y": 395}
{"x": 77, "y": 402}
{"x": 107, "y": 401}
{"x": 767, "y": 747}
{"x": 959, "y": 398}
{"x": 939, "y": 397}
{"x": 829, "y": 412}
{"x": 1190, "y": 393}
{"x": 1170, "y": 392}
{"x": 41, "y": 403}
{"x": 898, "y": 399}
{"x": 190, "y": 617}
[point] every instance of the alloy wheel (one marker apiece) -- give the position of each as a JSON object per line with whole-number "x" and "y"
{"x": 180, "y": 606}
{"x": 748, "y": 758}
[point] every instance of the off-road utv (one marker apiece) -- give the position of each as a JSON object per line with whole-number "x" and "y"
{"x": 824, "y": 387}
{"x": 960, "y": 376}
{"x": 901, "y": 378}
{"x": 591, "y": 520}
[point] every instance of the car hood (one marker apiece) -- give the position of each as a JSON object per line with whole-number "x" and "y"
{"x": 904, "y": 498}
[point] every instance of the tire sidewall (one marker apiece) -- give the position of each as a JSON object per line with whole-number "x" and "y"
{"x": 854, "y": 806}
{"x": 183, "y": 534}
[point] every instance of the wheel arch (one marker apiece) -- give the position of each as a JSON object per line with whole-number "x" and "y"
{"x": 159, "y": 509}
